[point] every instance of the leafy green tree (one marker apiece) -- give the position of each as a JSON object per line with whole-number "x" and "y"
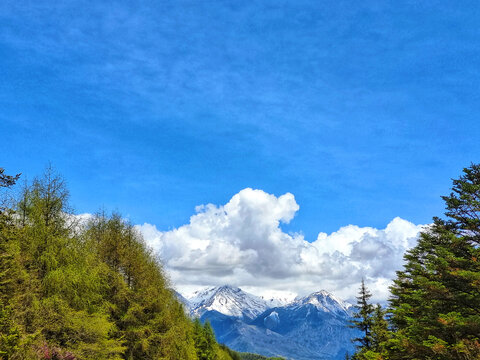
{"x": 211, "y": 350}
{"x": 10, "y": 275}
{"x": 73, "y": 291}
{"x": 147, "y": 316}
{"x": 199, "y": 340}
{"x": 57, "y": 300}
{"x": 205, "y": 344}
{"x": 9, "y": 333}
{"x": 228, "y": 354}
{"x": 435, "y": 298}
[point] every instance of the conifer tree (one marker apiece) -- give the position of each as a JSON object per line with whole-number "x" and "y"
{"x": 145, "y": 312}
{"x": 363, "y": 318}
{"x": 199, "y": 340}
{"x": 212, "y": 347}
{"x": 9, "y": 333}
{"x": 7, "y": 180}
{"x": 435, "y": 298}
{"x": 90, "y": 292}
{"x": 9, "y": 275}
{"x": 205, "y": 344}
{"x": 380, "y": 330}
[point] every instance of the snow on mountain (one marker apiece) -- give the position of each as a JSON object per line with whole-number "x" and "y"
{"x": 227, "y": 300}
{"x": 278, "y": 298}
{"x": 308, "y": 328}
{"x": 324, "y": 301}
{"x": 233, "y": 301}
{"x": 313, "y": 327}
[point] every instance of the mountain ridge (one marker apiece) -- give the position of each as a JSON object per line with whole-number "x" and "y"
{"x": 314, "y": 326}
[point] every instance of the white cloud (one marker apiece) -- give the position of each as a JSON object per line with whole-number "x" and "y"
{"x": 241, "y": 243}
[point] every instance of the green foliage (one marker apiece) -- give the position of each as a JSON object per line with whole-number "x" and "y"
{"x": 9, "y": 333}
{"x": 148, "y": 317}
{"x": 363, "y": 318}
{"x": 227, "y": 353}
{"x": 70, "y": 291}
{"x": 371, "y": 322}
{"x": 435, "y": 299}
{"x": 380, "y": 330}
{"x": 74, "y": 291}
{"x": 204, "y": 338}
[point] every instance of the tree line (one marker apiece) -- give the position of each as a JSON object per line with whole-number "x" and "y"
{"x": 72, "y": 289}
{"x": 434, "y": 308}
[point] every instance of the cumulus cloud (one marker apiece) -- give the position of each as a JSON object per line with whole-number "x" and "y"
{"x": 242, "y": 243}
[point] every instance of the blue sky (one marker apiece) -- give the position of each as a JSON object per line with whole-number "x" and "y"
{"x": 363, "y": 110}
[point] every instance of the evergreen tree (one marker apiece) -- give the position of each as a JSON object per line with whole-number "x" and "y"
{"x": 363, "y": 318}
{"x": 85, "y": 292}
{"x": 435, "y": 298}
{"x": 7, "y": 180}
{"x": 371, "y": 322}
{"x": 199, "y": 340}
{"x": 147, "y": 316}
{"x": 212, "y": 347}
{"x": 9, "y": 333}
{"x": 205, "y": 344}
{"x": 380, "y": 330}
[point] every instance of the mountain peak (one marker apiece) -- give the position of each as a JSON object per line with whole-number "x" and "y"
{"x": 228, "y": 288}
{"x": 310, "y": 327}
{"x": 325, "y": 301}
{"x": 227, "y": 300}
{"x": 233, "y": 301}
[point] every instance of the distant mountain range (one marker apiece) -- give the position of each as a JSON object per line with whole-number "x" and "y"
{"x": 313, "y": 327}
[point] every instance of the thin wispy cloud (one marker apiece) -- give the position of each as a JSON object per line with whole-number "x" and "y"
{"x": 347, "y": 105}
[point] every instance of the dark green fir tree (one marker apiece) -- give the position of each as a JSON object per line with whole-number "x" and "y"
{"x": 436, "y": 297}
{"x": 363, "y": 319}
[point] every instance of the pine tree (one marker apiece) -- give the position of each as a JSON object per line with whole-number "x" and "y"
{"x": 363, "y": 318}
{"x": 205, "y": 344}
{"x": 7, "y": 180}
{"x": 212, "y": 347}
{"x": 380, "y": 330}
{"x": 435, "y": 298}
{"x": 199, "y": 340}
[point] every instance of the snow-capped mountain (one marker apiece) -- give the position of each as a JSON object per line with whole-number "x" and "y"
{"x": 324, "y": 301}
{"x": 227, "y": 300}
{"x": 274, "y": 300}
{"x": 312, "y": 327}
{"x": 307, "y": 328}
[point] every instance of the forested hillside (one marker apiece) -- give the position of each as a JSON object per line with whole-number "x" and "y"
{"x": 72, "y": 289}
